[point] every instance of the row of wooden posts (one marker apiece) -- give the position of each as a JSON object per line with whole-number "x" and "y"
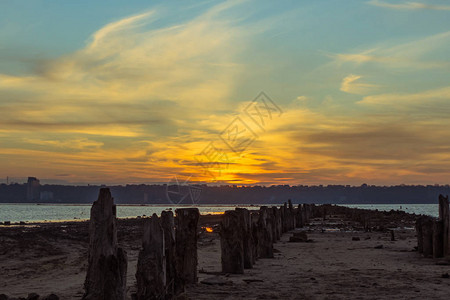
{"x": 247, "y": 235}
{"x": 433, "y": 235}
{"x": 168, "y": 258}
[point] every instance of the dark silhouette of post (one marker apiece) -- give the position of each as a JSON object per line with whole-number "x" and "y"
{"x": 444, "y": 216}
{"x": 107, "y": 263}
{"x": 168, "y": 226}
{"x": 247, "y": 237}
{"x": 186, "y": 247}
{"x": 232, "y": 243}
{"x": 151, "y": 266}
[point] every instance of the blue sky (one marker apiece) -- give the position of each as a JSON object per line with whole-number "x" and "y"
{"x": 133, "y": 92}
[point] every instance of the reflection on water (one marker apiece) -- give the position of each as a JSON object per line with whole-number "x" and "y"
{"x": 63, "y": 212}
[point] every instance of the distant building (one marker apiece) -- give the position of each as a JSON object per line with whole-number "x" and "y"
{"x": 33, "y": 187}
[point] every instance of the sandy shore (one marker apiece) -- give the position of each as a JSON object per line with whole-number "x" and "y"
{"x": 52, "y": 258}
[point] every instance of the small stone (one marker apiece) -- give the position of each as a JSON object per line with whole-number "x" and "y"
{"x": 355, "y": 238}
{"x": 379, "y": 247}
{"x": 33, "y": 296}
{"x": 445, "y": 275}
{"x": 3, "y": 297}
{"x": 51, "y": 297}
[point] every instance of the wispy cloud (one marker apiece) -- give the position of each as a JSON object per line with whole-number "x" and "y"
{"x": 407, "y": 5}
{"x": 352, "y": 84}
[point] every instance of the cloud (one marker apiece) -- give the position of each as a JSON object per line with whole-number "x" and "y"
{"x": 351, "y": 84}
{"x": 408, "y": 5}
{"x": 425, "y": 98}
{"x": 415, "y": 54}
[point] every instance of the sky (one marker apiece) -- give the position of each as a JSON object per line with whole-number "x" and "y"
{"x": 225, "y": 92}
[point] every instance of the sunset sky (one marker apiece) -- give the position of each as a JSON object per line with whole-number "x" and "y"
{"x": 118, "y": 92}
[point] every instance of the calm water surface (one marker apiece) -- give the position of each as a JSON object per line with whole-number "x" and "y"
{"x": 61, "y": 212}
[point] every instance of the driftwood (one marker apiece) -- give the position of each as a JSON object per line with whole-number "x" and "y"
{"x": 168, "y": 226}
{"x": 247, "y": 238}
{"x": 151, "y": 266}
{"x": 107, "y": 263}
{"x": 232, "y": 243}
{"x": 186, "y": 247}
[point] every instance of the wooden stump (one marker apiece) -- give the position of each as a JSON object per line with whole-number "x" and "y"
{"x": 419, "y": 233}
{"x": 168, "y": 226}
{"x": 291, "y": 215}
{"x": 107, "y": 263}
{"x": 427, "y": 235}
{"x": 444, "y": 215}
{"x": 232, "y": 243}
{"x": 277, "y": 222}
{"x": 254, "y": 217}
{"x": 247, "y": 238}
{"x": 438, "y": 238}
{"x": 186, "y": 247}
{"x": 284, "y": 218}
{"x": 265, "y": 239}
{"x": 299, "y": 216}
{"x": 151, "y": 266}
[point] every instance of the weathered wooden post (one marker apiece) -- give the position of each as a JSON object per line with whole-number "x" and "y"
{"x": 277, "y": 222}
{"x": 107, "y": 263}
{"x": 444, "y": 216}
{"x": 254, "y": 217}
{"x": 232, "y": 243}
{"x": 438, "y": 238}
{"x": 265, "y": 238}
{"x": 427, "y": 234}
{"x": 285, "y": 217}
{"x": 419, "y": 233}
{"x": 247, "y": 237}
{"x": 291, "y": 215}
{"x": 186, "y": 247}
{"x": 168, "y": 226}
{"x": 299, "y": 216}
{"x": 151, "y": 265}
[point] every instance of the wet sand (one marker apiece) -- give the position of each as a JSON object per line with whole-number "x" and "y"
{"x": 52, "y": 258}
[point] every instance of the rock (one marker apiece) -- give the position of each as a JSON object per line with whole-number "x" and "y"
{"x": 216, "y": 280}
{"x": 22, "y": 223}
{"x": 299, "y": 237}
{"x": 3, "y": 297}
{"x": 7, "y": 223}
{"x": 355, "y": 238}
{"x": 445, "y": 275}
{"x": 252, "y": 280}
{"x": 51, "y": 297}
{"x": 379, "y": 247}
{"x": 33, "y": 296}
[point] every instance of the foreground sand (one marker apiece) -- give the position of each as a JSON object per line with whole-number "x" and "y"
{"x": 52, "y": 258}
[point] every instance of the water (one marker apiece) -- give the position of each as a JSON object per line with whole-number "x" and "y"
{"x": 64, "y": 212}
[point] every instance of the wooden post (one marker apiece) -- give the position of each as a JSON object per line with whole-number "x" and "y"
{"x": 254, "y": 217}
{"x": 419, "y": 233}
{"x": 107, "y": 263}
{"x": 299, "y": 216}
{"x": 444, "y": 216}
{"x": 277, "y": 221}
{"x": 285, "y": 217}
{"x": 168, "y": 226}
{"x": 438, "y": 238}
{"x": 265, "y": 238}
{"x": 232, "y": 243}
{"x": 247, "y": 237}
{"x": 427, "y": 234}
{"x": 291, "y": 215}
{"x": 186, "y": 246}
{"x": 151, "y": 265}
